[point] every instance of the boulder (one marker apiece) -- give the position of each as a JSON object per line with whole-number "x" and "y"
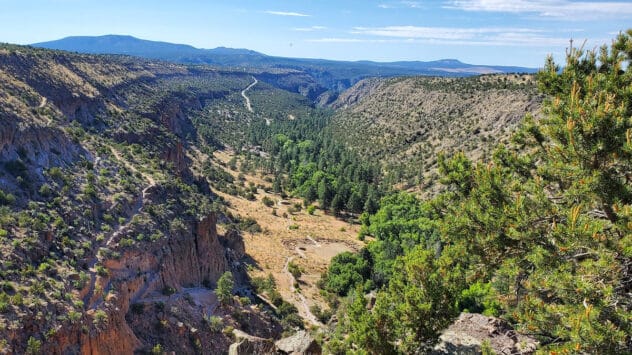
{"x": 468, "y": 333}
{"x": 247, "y": 344}
{"x": 300, "y": 343}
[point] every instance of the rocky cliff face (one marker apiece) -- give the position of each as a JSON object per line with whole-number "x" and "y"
{"x": 39, "y": 145}
{"x": 294, "y": 81}
{"x": 356, "y": 93}
{"x": 140, "y": 277}
{"x": 107, "y": 249}
{"x": 189, "y": 260}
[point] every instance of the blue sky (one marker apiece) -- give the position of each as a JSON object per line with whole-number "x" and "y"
{"x": 512, "y": 32}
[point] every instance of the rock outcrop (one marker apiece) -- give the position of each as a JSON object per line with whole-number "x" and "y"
{"x": 247, "y": 344}
{"x": 468, "y": 333}
{"x": 234, "y": 244}
{"x": 187, "y": 260}
{"x": 300, "y": 343}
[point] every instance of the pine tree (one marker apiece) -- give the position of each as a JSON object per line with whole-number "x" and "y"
{"x": 325, "y": 194}
{"x": 224, "y": 290}
{"x": 540, "y": 233}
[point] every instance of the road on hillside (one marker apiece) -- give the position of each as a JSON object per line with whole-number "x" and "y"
{"x": 243, "y": 93}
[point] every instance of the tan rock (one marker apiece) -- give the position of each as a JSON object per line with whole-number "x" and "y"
{"x": 466, "y": 336}
{"x": 246, "y": 344}
{"x": 300, "y": 343}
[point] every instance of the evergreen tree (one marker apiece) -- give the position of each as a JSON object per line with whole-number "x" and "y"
{"x": 355, "y": 203}
{"x": 371, "y": 204}
{"x": 311, "y": 193}
{"x": 541, "y": 234}
{"x": 276, "y": 185}
{"x": 337, "y": 204}
{"x": 224, "y": 290}
{"x": 325, "y": 194}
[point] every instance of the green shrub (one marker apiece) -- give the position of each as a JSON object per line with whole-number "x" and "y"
{"x": 295, "y": 270}
{"x": 45, "y": 190}
{"x": 311, "y": 209}
{"x": 215, "y": 323}
{"x": 157, "y": 350}
{"x": 6, "y": 198}
{"x": 33, "y": 346}
{"x": 224, "y": 290}
{"x": 267, "y": 201}
{"x": 228, "y": 331}
{"x": 168, "y": 291}
{"x": 100, "y": 318}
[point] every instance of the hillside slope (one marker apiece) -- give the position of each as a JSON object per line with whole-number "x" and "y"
{"x": 406, "y": 122}
{"x": 109, "y": 239}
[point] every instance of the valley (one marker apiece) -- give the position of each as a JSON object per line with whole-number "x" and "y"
{"x": 175, "y": 207}
{"x": 290, "y": 234}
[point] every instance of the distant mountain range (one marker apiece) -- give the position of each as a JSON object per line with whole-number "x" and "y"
{"x": 331, "y": 74}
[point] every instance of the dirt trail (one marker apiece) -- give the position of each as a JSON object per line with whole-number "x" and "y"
{"x": 140, "y": 200}
{"x": 243, "y": 93}
{"x": 138, "y": 206}
{"x": 131, "y": 167}
{"x": 304, "y": 312}
{"x": 313, "y": 241}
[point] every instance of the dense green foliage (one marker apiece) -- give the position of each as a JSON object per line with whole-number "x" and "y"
{"x": 346, "y": 271}
{"x": 327, "y": 173}
{"x": 224, "y": 290}
{"x": 307, "y": 161}
{"x": 541, "y": 234}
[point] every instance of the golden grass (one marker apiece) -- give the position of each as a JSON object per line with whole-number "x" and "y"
{"x": 319, "y": 238}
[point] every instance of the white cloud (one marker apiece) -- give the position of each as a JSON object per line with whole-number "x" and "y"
{"x": 499, "y": 41}
{"x": 310, "y": 29}
{"x": 561, "y": 9}
{"x": 413, "y": 4}
{"x": 436, "y": 32}
{"x": 338, "y": 40}
{"x": 402, "y": 4}
{"x": 285, "y": 13}
{"x": 488, "y": 36}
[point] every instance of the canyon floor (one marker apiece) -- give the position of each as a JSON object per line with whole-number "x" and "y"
{"x": 310, "y": 241}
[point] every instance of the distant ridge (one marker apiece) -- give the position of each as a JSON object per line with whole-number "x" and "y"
{"x": 129, "y": 45}
{"x": 331, "y": 74}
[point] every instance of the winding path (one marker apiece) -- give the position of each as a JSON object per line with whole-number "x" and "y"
{"x": 243, "y": 93}
{"x": 309, "y": 316}
{"x": 138, "y": 206}
{"x": 140, "y": 200}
